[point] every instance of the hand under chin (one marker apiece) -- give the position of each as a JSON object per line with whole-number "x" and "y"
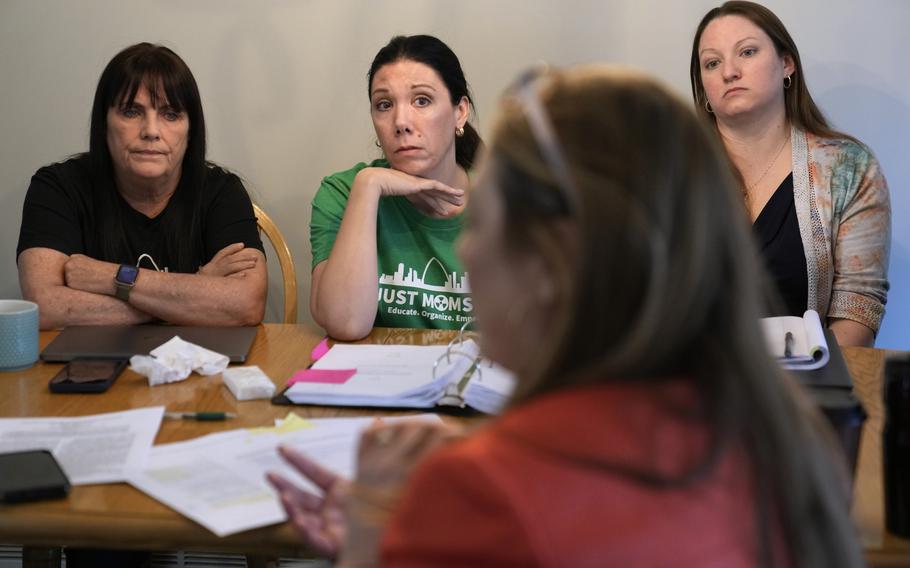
{"x": 425, "y": 208}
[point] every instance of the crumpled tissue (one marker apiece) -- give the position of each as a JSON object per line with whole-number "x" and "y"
{"x": 175, "y": 359}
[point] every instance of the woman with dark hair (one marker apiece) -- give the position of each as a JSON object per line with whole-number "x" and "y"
{"x": 817, "y": 198}
{"x": 383, "y": 234}
{"x": 141, "y": 227}
{"x": 646, "y": 428}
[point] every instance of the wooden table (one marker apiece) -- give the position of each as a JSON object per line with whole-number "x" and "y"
{"x": 882, "y": 548}
{"x": 118, "y": 516}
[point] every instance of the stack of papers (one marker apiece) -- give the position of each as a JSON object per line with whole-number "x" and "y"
{"x": 406, "y": 376}
{"x": 219, "y": 480}
{"x": 100, "y": 448}
{"x": 798, "y": 343}
{"x": 490, "y": 388}
{"x": 216, "y": 480}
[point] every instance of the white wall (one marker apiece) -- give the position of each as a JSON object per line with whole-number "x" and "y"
{"x": 284, "y": 90}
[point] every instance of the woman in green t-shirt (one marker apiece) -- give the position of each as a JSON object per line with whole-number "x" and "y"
{"x": 383, "y": 234}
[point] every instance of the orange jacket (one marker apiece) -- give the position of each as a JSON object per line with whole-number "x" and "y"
{"x": 542, "y": 486}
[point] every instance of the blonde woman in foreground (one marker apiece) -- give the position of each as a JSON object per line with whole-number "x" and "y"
{"x": 613, "y": 271}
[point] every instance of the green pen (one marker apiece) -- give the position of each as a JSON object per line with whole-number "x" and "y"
{"x": 200, "y": 416}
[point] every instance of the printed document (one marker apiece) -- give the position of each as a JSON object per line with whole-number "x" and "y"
{"x": 219, "y": 480}
{"x": 100, "y": 448}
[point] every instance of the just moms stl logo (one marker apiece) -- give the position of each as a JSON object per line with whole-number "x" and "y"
{"x": 433, "y": 293}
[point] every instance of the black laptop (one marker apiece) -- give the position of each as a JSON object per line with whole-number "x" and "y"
{"x": 124, "y": 341}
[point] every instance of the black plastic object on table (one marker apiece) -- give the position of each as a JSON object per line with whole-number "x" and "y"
{"x": 896, "y": 444}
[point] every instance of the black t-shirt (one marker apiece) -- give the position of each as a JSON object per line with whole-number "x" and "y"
{"x": 780, "y": 245}
{"x": 60, "y": 214}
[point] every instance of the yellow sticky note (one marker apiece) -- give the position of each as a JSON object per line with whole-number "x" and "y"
{"x": 293, "y": 423}
{"x": 290, "y": 423}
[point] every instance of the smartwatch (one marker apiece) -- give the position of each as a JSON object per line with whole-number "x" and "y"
{"x": 125, "y": 280}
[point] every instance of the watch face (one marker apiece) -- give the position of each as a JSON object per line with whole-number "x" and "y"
{"x": 127, "y": 274}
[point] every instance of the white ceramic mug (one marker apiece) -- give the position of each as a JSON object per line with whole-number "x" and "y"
{"x": 18, "y": 334}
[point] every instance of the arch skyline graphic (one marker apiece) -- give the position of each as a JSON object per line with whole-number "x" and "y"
{"x": 407, "y": 276}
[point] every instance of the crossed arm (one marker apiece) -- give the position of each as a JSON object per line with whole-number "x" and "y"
{"x": 76, "y": 289}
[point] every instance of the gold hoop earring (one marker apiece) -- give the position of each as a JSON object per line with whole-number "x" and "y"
{"x": 459, "y": 132}
{"x": 378, "y": 144}
{"x": 708, "y": 106}
{"x": 787, "y": 82}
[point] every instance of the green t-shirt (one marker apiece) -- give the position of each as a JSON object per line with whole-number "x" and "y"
{"x": 421, "y": 282}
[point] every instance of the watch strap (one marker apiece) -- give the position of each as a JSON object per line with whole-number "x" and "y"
{"x": 122, "y": 291}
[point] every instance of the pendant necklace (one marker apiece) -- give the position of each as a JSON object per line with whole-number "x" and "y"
{"x": 754, "y": 184}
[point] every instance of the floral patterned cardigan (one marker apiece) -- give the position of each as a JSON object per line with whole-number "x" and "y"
{"x": 844, "y": 214}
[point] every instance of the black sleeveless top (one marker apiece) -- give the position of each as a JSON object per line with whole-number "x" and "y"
{"x": 779, "y": 243}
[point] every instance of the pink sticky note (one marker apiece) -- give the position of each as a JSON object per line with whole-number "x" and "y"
{"x": 320, "y": 350}
{"x": 331, "y": 376}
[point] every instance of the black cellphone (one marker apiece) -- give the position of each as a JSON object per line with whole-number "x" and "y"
{"x": 87, "y": 375}
{"x": 31, "y": 476}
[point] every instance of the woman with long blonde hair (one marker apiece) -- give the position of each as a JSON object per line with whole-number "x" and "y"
{"x": 612, "y": 271}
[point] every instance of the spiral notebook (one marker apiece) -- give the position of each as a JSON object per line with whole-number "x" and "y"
{"x": 811, "y": 351}
{"x": 404, "y": 376}
{"x": 798, "y": 343}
